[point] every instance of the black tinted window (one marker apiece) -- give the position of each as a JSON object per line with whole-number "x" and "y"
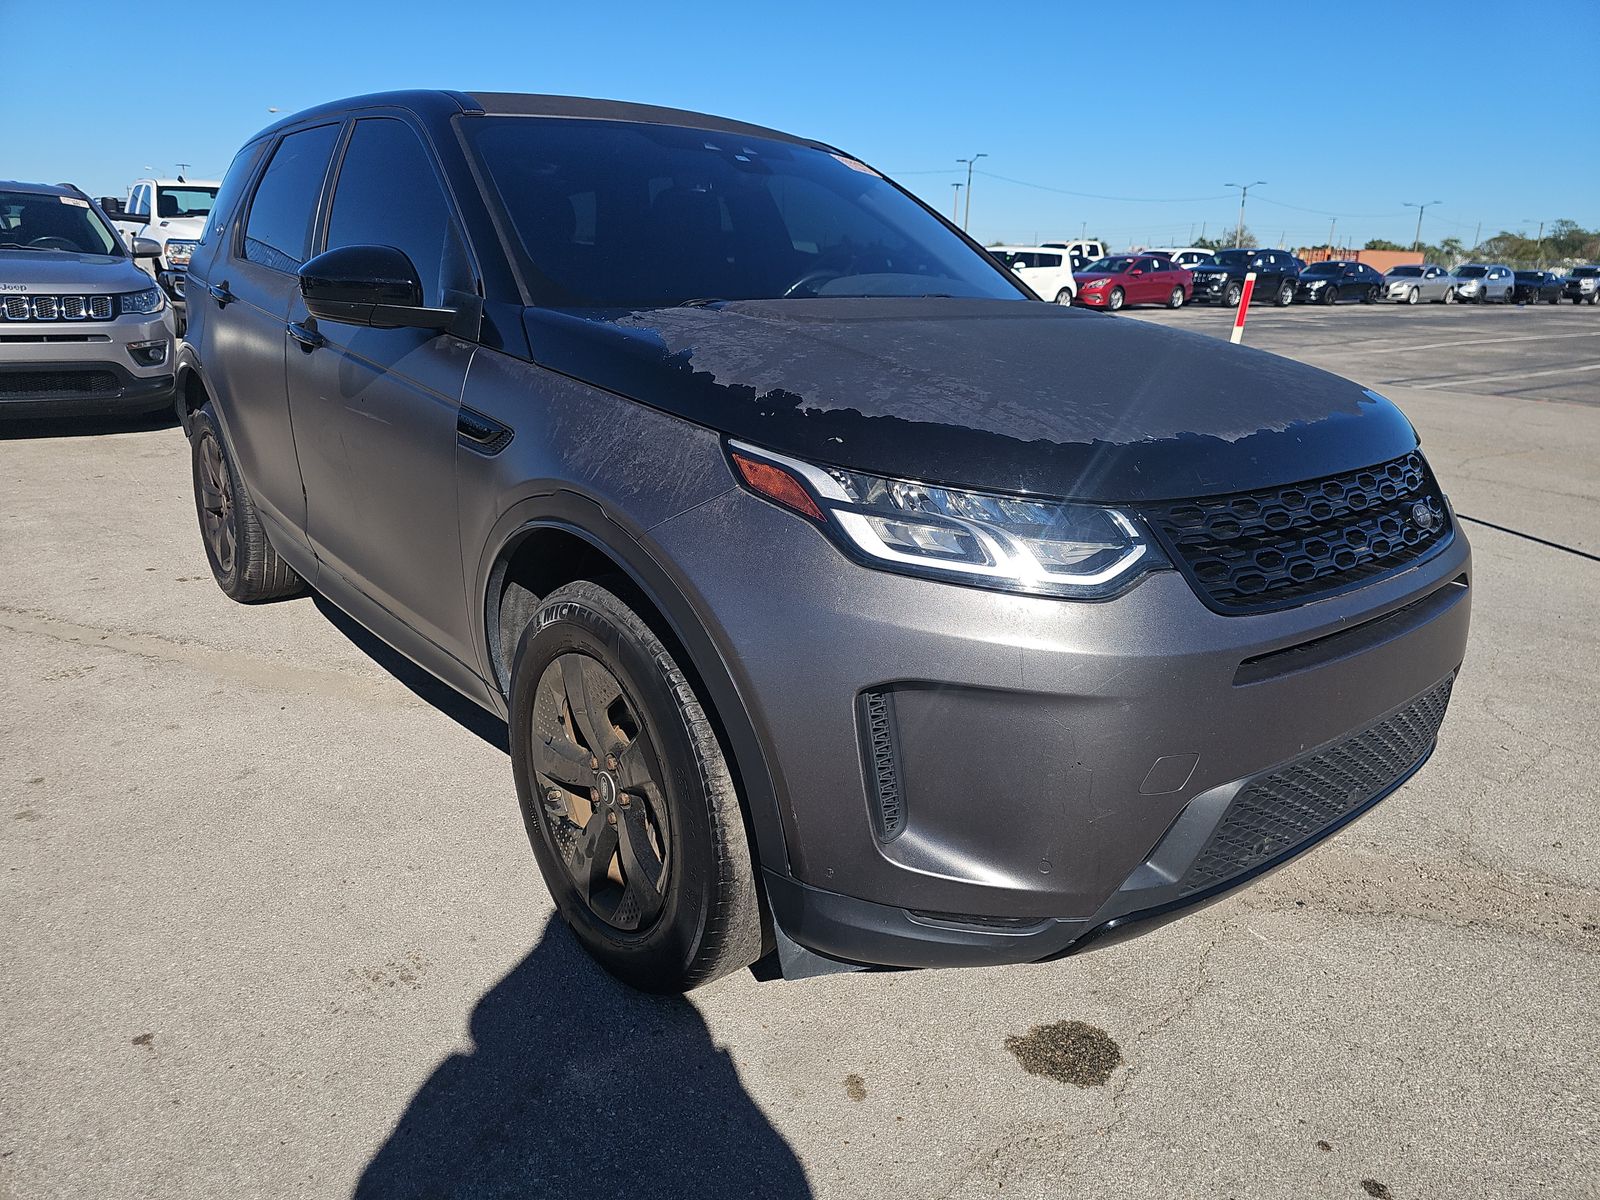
{"x": 388, "y": 195}
{"x": 278, "y": 231}
{"x": 618, "y": 215}
{"x": 233, "y": 183}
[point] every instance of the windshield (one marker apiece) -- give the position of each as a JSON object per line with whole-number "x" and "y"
{"x": 44, "y": 221}
{"x": 1585, "y": 272}
{"x": 1113, "y": 265}
{"x": 1234, "y": 257}
{"x": 1473, "y": 272}
{"x": 185, "y": 201}
{"x": 625, "y": 215}
{"x": 1407, "y": 272}
{"x": 1324, "y": 268}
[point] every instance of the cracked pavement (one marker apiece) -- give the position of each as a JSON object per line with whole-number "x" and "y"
{"x": 271, "y": 926}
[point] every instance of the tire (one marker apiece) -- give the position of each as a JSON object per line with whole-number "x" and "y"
{"x": 1449, "y": 295}
{"x": 1285, "y": 296}
{"x": 1330, "y": 294}
{"x": 243, "y": 562}
{"x": 1414, "y": 296}
{"x": 1176, "y": 299}
{"x": 1594, "y": 297}
{"x": 1232, "y": 294}
{"x": 1370, "y": 296}
{"x": 1064, "y": 296}
{"x": 589, "y": 669}
{"x": 1556, "y": 299}
{"x": 1116, "y": 299}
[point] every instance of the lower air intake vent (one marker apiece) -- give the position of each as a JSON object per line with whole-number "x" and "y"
{"x": 881, "y": 751}
{"x": 1297, "y": 803}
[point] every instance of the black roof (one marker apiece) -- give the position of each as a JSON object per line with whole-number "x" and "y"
{"x": 43, "y": 189}
{"x": 445, "y": 104}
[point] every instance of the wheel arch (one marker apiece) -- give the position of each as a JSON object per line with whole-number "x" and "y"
{"x": 550, "y": 540}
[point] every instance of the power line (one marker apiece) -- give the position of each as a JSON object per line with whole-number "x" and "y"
{"x": 1097, "y": 196}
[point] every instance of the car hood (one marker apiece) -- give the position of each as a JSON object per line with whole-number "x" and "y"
{"x": 60, "y": 271}
{"x": 1009, "y": 395}
{"x": 1086, "y": 276}
{"x": 174, "y": 227}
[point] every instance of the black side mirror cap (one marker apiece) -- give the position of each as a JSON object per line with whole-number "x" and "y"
{"x": 369, "y": 285}
{"x": 144, "y": 247}
{"x": 132, "y": 218}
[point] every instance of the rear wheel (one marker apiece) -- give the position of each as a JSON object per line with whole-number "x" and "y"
{"x": 1116, "y": 299}
{"x": 627, "y": 798}
{"x": 1176, "y": 299}
{"x": 243, "y": 562}
{"x": 1064, "y": 296}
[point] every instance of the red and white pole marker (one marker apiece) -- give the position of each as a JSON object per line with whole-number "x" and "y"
{"x": 1244, "y": 306}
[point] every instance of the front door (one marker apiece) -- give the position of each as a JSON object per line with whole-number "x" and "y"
{"x": 375, "y": 409}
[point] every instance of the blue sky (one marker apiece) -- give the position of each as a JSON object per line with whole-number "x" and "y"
{"x": 1348, "y": 109}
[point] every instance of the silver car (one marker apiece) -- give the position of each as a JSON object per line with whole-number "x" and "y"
{"x": 1414, "y": 284}
{"x": 1485, "y": 282}
{"x": 82, "y": 328}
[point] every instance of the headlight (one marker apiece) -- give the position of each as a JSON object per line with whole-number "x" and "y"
{"x": 982, "y": 539}
{"x": 147, "y": 301}
{"x": 1095, "y": 283}
{"x": 1313, "y": 284}
{"x": 180, "y": 251}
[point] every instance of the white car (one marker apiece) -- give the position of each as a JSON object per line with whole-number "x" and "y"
{"x": 1185, "y": 256}
{"x": 1080, "y": 253}
{"x": 1045, "y": 269}
{"x": 172, "y": 213}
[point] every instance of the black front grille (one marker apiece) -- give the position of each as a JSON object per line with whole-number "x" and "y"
{"x": 1253, "y": 551}
{"x": 1295, "y": 804}
{"x": 58, "y": 383}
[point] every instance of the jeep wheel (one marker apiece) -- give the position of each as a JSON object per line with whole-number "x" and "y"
{"x": 1285, "y": 296}
{"x": 1232, "y": 295}
{"x": 626, "y": 797}
{"x": 243, "y": 562}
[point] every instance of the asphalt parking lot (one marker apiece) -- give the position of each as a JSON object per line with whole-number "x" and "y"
{"x": 270, "y": 924}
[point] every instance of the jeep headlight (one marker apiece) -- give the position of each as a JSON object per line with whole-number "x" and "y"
{"x": 147, "y": 301}
{"x": 983, "y": 539}
{"x": 180, "y": 251}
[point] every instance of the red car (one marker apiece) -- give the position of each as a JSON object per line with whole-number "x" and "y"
{"x": 1120, "y": 279}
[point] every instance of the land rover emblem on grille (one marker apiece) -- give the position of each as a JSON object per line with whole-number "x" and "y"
{"x": 1424, "y": 516}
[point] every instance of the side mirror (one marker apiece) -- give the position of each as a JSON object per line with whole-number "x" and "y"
{"x": 144, "y": 247}
{"x": 132, "y": 218}
{"x": 111, "y": 206}
{"x": 1136, "y": 271}
{"x": 369, "y": 285}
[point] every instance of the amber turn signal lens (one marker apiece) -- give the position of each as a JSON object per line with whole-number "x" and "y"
{"x": 777, "y": 484}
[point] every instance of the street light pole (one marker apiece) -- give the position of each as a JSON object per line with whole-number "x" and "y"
{"x": 1416, "y": 242}
{"x": 955, "y": 205}
{"x": 971, "y": 162}
{"x": 1244, "y": 190}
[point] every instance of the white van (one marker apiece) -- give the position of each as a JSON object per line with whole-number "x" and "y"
{"x": 1080, "y": 253}
{"x": 1185, "y": 256}
{"x": 1045, "y": 269}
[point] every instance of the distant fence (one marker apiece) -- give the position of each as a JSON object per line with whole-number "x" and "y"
{"x": 1382, "y": 261}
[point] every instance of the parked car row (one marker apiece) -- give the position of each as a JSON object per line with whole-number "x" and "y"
{"x": 1191, "y": 275}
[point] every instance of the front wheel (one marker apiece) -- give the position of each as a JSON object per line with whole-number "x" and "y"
{"x": 1449, "y": 295}
{"x": 1233, "y": 294}
{"x": 627, "y": 798}
{"x": 1370, "y": 296}
{"x": 1330, "y": 294}
{"x": 242, "y": 561}
{"x": 1176, "y": 299}
{"x": 1285, "y": 296}
{"x": 1116, "y": 299}
{"x": 1413, "y": 296}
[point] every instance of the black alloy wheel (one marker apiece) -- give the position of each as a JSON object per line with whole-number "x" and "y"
{"x": 1330, "y": 293}
{"x": 214, "y": 486}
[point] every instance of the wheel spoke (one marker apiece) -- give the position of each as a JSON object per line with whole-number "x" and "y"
{"x": 591, "y": 857}
{"x": 642, "y": 867}
{"x": 637, "y": 767}
{"x": 561, "y": 761}
{"x": 588, "y": 718}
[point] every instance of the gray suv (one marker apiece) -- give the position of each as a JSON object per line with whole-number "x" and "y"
{"x": 841, "y": 598}
{"x": 82, "y": 328}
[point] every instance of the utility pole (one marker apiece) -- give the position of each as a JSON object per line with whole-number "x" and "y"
{"x": 1541, "y": 243}
{"x": 955, "y": 205}
{"x": 1331, "y": 224}
{"x": 1476, "y": 235}
{"x": 183, "y": 169}
{"x": 1416, "y": 242}
{"x": 971, "y": 162}
{"x": 1244, "y": 190}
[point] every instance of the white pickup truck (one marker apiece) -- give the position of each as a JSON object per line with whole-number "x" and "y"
{"x": 172, "y": 213}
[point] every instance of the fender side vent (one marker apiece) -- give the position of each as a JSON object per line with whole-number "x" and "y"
{"x": 478, "y": 432}
{"x": 881, "y": 752}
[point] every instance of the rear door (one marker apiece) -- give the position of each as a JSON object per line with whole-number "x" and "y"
{"x": 375, "y": 410}
{"x": 248, "y": 292}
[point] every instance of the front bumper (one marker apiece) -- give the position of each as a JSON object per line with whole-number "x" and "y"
{"x": 1100, "y": 298}
{"x": 60, "y": 368}
{"x": 1059, "y": 766}
{"x": 1209, "y": 290}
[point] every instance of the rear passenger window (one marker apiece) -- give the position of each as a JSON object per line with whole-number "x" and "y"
{"x": 277, "y": 233}
{"x": 389, "y": 195}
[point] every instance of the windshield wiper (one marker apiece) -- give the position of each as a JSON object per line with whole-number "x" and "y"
{"x": 700, "y": 302}
{"x": 20, "y": 246}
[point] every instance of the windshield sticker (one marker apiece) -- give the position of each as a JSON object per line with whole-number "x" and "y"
{"x": 73, "y": 200}
{"x": 856, "y": 165}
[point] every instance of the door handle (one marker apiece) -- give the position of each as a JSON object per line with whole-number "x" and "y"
{"x": 221, "y": 294}
{"x": 309, "y": 339}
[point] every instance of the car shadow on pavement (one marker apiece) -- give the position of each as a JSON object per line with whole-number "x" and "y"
{"x": 442, "y": 696}
{"x": 577, "y": 1086}
{"x": 18, "y": 428}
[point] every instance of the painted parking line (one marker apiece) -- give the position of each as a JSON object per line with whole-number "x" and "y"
{"x": 1493, "y": 341}
{"x": 1465, "y": 383}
